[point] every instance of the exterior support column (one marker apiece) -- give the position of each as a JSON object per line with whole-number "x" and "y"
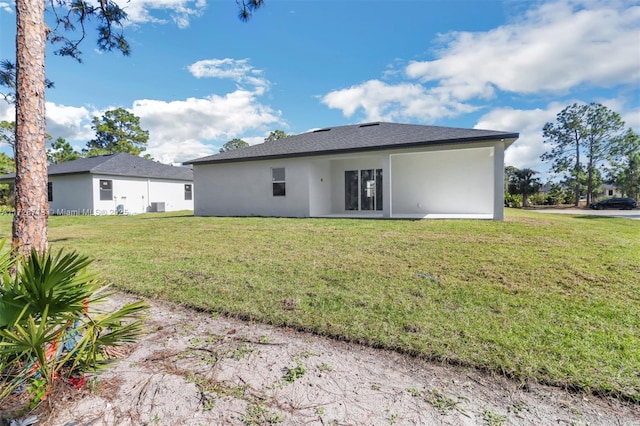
{"x": 386, "y": 186}
{"x": 498, "y": 181}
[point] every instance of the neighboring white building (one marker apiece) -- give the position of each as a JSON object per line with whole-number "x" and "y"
{"x": 385, "y": 170}
{"x": 611, "y": 190}
{"x": 117, "y": 184}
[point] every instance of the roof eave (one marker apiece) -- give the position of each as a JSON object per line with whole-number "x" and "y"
{"x": 140, "y": 176}
{"x": 185, "y": 179}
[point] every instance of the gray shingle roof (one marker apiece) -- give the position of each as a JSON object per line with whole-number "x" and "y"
{"x": 120, "y": 164}
{"x": 357, "y": 138}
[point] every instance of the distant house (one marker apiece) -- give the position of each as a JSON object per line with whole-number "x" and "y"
{"x": 116, "y": 184}
{"x": 609, "y": 190}
{"x": 385, "y": 170}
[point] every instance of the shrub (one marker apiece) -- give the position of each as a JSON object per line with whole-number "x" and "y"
{"x": 512, "y": 200}
{"x": 537, "y": 199}
{"x": 50, "y": 326}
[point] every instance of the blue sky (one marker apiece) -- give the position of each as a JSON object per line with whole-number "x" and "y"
{"x": 198, "y": 77}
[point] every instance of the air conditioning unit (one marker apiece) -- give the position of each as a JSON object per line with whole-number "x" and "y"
{"x": 156, "y": 207}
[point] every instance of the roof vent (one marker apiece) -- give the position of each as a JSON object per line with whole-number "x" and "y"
{"x": 322, "y": 130}
{"x": 369, "y": 125}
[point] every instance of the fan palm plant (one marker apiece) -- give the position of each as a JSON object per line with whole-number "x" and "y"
{"x": 50, "y": 326}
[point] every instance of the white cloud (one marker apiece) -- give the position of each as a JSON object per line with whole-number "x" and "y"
{"x": 183, "y": 130}
{"x": 237, "y": 70}
{"x": 179, "y": 11}
{"x": 178, "y": 130}
{"x": 632, "y": 119}
{"x": 254, "y": 140}
{"x": 553, "y": 49}
{"x": 7, "y": 111}
{"x": 526, "y": 151}
{"x": 384, "y": 102}
{"x": 70, "y": 123}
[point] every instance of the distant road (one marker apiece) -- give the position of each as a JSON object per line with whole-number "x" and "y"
{"x": 627, "y": 214}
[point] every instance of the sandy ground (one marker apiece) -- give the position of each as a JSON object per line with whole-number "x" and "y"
{"x": 196, "y": 369}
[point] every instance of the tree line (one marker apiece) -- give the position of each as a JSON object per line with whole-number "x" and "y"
{"x": 118, "y": 130}
{"x": 237, "y": 143}
{"x": 588, "y": 146}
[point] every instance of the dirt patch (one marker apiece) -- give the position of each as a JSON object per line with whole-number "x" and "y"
{"x": 196, "y": 369}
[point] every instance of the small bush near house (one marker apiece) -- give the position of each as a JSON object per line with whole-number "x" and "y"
{"x": 512, "y": 200}
{"x": 551, "y": 200}
{"x": 50, "y": 329}
{"x": 542, "y": 199}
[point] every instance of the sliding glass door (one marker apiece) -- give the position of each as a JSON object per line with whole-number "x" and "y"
{"x": 351, "y": 185}
{"x": 363, "y": 190}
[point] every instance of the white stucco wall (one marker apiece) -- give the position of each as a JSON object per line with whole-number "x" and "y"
{"x": 80, "y": 194}
{"x": 136, "y": 194}
{"x": 445, "y": 180}
{"x": 320, "y": 187}
{"x": 457, "y": 181}
{"x": 72, "y": 194}
{"x": 171, "y": 193}
{"x": 245, "y": 189}
{"x": 128, "y": 192}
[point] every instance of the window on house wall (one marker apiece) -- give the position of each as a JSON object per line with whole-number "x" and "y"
{"x": 188, "y": 191}
{"x": 278, "y": 182}
{"x": 49, "y": 191}
{"x": 610, "y": 193}
{"x": 106, "y": 189}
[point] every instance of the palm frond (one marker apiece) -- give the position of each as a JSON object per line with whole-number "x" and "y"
{"x": 48, "y": 323}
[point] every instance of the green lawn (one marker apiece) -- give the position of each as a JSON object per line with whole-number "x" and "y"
{"x": 555, "y": 298}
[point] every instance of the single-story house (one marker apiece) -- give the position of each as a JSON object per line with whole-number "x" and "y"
{"x": 116, "y": 184}
{"x": 380, "y": 169}
{"x": 609, "y": 190}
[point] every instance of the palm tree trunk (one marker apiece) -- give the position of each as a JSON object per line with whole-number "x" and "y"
{"x": 32, "y": 207}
